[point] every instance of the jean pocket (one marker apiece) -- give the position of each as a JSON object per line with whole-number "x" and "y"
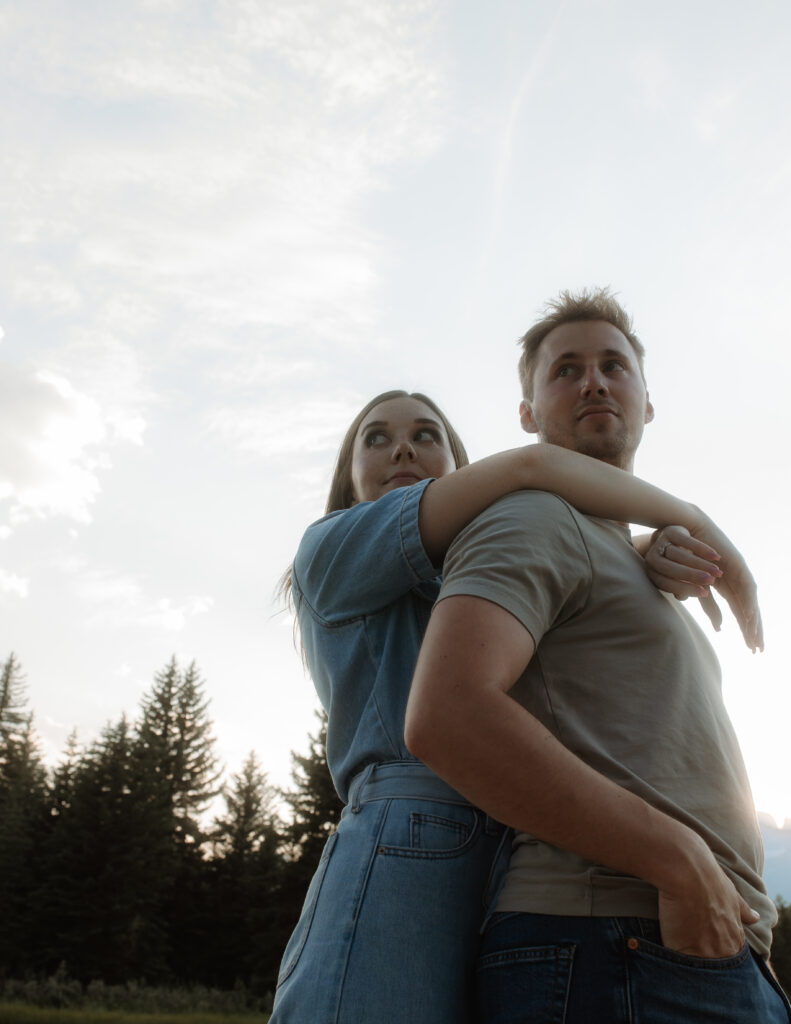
{"x": 649, "y": 948}
{"x": 428, "y": 834}
{"x": 299, "y": 936}
{"x": 667, "y": 986}
{"x": 525, "y": 984}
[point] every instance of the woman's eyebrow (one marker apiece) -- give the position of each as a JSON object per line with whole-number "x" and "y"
{"x": 385, "y": 423}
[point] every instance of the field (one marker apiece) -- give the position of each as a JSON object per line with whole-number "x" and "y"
{"x": 20, "y": 1013}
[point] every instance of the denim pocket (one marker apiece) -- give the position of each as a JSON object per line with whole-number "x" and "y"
{"x": 524, "y": 984}
{"x": 667, "y": 986}
{"x": 299, "y": 936}
{"x": 653, "y": 949}
{"x": 428, "y": 834}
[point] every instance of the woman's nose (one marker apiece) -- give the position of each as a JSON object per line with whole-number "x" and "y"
{"x": 403, "y": 449}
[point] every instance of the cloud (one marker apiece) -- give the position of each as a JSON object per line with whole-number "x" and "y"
{"x": 113, "y": 187}
{"x": 49, "y": 459}
{"x": 56, "y": 441}
{"x": 120, "y": 601}
{"x": 12, "y": 584}
{"x": 278, "y": 429}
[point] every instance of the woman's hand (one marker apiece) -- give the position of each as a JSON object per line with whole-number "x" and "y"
{"x": 688, "y": 564}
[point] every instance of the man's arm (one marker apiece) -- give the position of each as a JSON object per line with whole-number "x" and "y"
{"x": 463, "y": 724}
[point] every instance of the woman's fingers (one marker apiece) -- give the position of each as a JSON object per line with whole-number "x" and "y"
{"x": 712, "y": 610}
{"x": 742, "y": 596}
{"x": 679, "y": 588}
{"x": 681, "y": 563}
{"x": 680, "y": 537}
{"x": 687, "y": 566}
{"x": 676, "y": 556}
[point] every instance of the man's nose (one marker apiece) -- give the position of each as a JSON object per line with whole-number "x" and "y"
{"x": 593, "y": 383}
{"x": 403, "y": 449}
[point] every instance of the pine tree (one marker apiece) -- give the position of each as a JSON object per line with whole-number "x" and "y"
{"x": 107, "y": 858}
{"x": 176, "y": 742}
{"x": 316, "y": 809}
{"x": 781, "y": 945}
{"x": 315, "y": 804}
{"x": 246, "y": 942}
{"x": 23, "y": 810}
{"x": 175, "y": 750}
{"x": 250, "y": 815}
{"x": 13, "y": 713}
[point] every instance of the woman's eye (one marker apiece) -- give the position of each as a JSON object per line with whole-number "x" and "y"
{"x": 374, "y": 438}
{"x": 564, "y": 371}
{"x": 425, "y": 434}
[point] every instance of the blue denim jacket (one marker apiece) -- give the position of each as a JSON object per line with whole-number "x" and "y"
{"x": 364, "y": 588}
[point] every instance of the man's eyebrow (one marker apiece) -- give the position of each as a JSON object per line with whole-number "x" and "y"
{"x": 609, "y": 353}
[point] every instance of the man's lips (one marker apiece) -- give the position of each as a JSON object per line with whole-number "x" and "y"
{"x": 596, "y": 410}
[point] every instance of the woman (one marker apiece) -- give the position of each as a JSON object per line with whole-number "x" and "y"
{"x": 389, "y": 929}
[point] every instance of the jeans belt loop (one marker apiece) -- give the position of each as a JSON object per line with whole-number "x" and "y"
{"x": 358, "y": 786}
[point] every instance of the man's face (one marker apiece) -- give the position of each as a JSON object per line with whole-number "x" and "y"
{"x": 588, "y": 393}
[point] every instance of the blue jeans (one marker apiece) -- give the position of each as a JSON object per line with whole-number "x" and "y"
{"x": 391, "y": 924}
{"x": 541, "y": 969}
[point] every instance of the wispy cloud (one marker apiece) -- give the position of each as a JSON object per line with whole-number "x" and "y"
{"x": 13, "y": 585}
{"x": 116, "y": 601}
{"x": 49, "y": 458}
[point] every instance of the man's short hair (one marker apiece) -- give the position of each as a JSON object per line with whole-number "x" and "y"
{"x": 568, "y": 307}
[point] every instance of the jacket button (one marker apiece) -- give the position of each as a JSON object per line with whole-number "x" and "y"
{"x": 632, "y": 943}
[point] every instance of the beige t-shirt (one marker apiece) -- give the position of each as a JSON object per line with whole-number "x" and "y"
{"x": 624, "y": 678}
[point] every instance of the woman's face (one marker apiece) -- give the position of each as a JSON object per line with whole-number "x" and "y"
{"x": 398, "y": 443}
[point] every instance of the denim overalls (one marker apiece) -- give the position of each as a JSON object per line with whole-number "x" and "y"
{"x": 390, "y": 927}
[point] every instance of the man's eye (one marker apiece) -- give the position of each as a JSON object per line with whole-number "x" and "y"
{"x": 613, "y": 364}
{"x": 564, "y": 371}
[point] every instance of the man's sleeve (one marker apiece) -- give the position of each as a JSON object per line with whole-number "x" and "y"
{"x": 526, "y": 554}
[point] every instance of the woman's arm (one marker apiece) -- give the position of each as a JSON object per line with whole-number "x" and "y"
{"x": 591, "y": 486}
{"x": 595, "y": 488}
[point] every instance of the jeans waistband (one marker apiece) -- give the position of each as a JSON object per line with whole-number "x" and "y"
{"x": 390, "y": 780}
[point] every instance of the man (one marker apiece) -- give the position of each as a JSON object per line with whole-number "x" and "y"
{"x": 566, "y": 696}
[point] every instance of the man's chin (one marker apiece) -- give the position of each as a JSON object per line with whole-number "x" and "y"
{"x": 605, "y": 449}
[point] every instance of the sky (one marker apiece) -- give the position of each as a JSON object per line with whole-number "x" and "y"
{"x": 227, "y": 224}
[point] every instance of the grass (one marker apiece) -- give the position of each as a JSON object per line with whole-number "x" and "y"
{"x": 21, "y": 1013}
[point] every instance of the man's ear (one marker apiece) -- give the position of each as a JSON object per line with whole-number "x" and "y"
{"x": 526, "y": 418}
{"x": 649, "y": 409}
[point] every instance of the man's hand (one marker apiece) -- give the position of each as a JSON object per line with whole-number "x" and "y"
{"x": 687, "y": 563}
{"x": 704, "y": 916}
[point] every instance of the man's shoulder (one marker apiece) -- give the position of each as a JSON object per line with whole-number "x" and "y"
{"x": 537, "y": 506}
{"x": 525, "y": 525}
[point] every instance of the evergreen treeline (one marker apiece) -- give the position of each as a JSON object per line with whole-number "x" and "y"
{"x": 107, "y": 869}
{"x": 108, "y": 874}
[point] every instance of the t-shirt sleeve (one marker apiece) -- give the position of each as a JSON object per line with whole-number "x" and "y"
{"x": 359, "y": 560}
{"x": 524, "y": 553}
